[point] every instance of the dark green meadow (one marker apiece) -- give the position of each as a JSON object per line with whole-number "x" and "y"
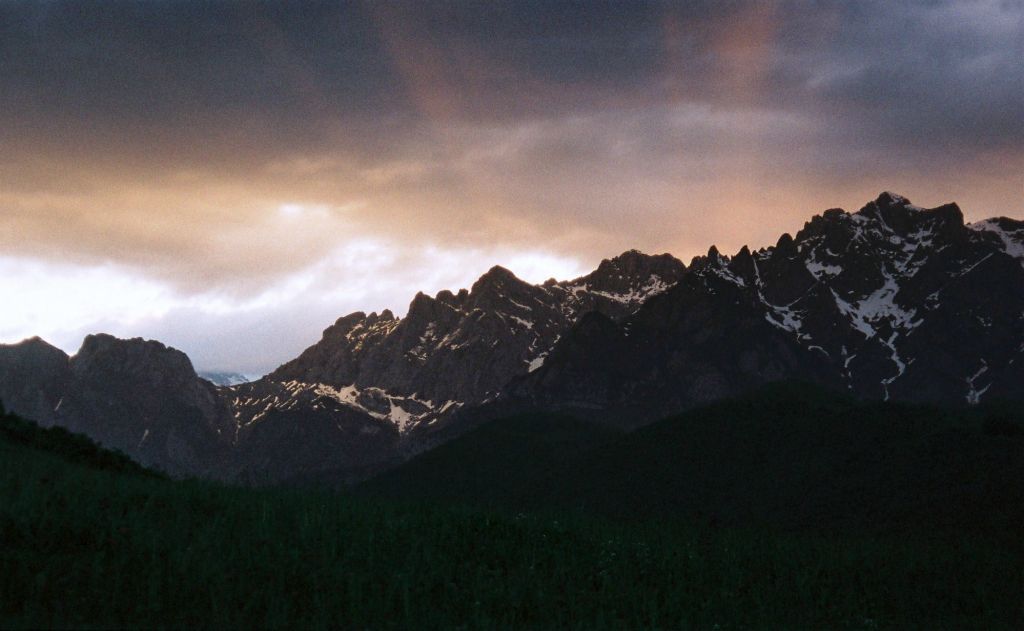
{"x": 89, "y": 540}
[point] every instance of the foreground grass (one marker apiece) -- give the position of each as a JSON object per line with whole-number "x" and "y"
{"x": 90, "y": 539}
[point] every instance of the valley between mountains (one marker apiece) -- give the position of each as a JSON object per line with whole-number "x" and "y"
{"x": 892, "y": 302}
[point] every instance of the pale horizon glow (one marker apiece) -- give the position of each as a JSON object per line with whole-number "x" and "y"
{"x": 61, "y": 303}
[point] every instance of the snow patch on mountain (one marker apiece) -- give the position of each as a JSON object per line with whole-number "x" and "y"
{"x": 635, "y": 295}
{"x": 1013, "y": 241}
{"x": 402, "y": 412}
{"x": 973, "y": 393}
{"x": 784, "y": 317}
{"x": 819, "y": 269}
{"x": 537, "y": 362}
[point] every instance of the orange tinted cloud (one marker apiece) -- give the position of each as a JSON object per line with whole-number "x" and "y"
{"x": 213, "y": 151}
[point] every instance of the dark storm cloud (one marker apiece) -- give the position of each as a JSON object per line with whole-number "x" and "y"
{"x": 933, "y": 74}
{"x": 916, "y": 69}
{"x": 485, "y": 112}
{"x": 214, "y": 153}
{"x": 152, "y": 60}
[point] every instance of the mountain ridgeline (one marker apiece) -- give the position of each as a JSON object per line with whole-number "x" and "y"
{"x": 893, "y": 302}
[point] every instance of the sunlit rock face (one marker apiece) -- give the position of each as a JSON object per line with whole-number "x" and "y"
{"x": 891, "y": 302}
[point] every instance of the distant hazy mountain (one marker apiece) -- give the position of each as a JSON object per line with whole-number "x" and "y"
{"x": 227, "y": 378}
{"x": 891, "y": 302}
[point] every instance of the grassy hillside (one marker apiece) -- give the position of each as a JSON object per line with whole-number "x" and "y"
{"x": 787, "y": 456}
{"x": 88, "y": 545}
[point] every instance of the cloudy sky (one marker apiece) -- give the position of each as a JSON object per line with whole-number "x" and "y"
{"x": 230, "y": 178}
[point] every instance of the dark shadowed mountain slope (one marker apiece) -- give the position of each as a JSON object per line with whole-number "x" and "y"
{"x": 892, "y": 302}
{"x": 787, "y": 455}
{"x": 33, "y": 378}
{"x": 345, "y": 407}
{"x": 494, "y": 464}
{"x": 17, "y": 434}
{"x": 139, "y": 397}
{"x": 349, "y": 405}
{"x": 459, "y": 350}
{"x": 795, "y": 456}
{"x": 90, "y": 542}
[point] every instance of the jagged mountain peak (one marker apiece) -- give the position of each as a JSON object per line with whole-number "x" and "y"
{"x": 422, "y": 306}
{"x": 631, "y": 277}
{"x": 33, "y": 348}
{"x": 35, "y": 340}
{"x": 872, "y": 294}
{"x": 893, "y": 300}
{"x": 888, "y": 229}
{"x": 743, "y": 264}
{"x": 721, "y": 263}
{"x": 1002, "y": 223}
{"x": 638, "y": 265}
{"x": 142, "y": 360}
{"x": 455, "y": 300}
{"x": 347, "y": 321}
{"x": 888, "y": 198}
{"x": 635, "y": 262}
{"x": 1005, "y": 233}
{"x": 99, "y": 343}
{"x": 496, "y": 277}
{"x": 32, "y": 372}
{"x": 455, "y": 350}
{"x": 897, "y": 215}
{"x": 496, "y": 286}
{"x": 33, "y": 377}
{"x": 136, "y": 395}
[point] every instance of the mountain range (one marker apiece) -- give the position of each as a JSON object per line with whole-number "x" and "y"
{"x": 892, "y": 302}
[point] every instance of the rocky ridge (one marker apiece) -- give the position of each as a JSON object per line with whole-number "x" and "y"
{"x": 451, "y": 351}
{"x": 137, "y": 396}
{"x": 893, "y": 301}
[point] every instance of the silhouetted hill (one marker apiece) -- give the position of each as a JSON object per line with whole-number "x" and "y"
{"x": 59, "y": 442}
{"x": 493, "y": 464}
{"x": 88, "y": 542}
{"x": 892, "y": 302}
{"x": 788, "y": 455}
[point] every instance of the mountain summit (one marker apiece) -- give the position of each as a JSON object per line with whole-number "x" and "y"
{"x": 893, "y": 301}
{"x": 457, "y": 350}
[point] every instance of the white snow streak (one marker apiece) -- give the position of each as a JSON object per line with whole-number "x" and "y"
{"x": 973, "y": 393}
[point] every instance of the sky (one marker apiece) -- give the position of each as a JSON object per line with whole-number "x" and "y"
{"x": 231, "y": 177}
